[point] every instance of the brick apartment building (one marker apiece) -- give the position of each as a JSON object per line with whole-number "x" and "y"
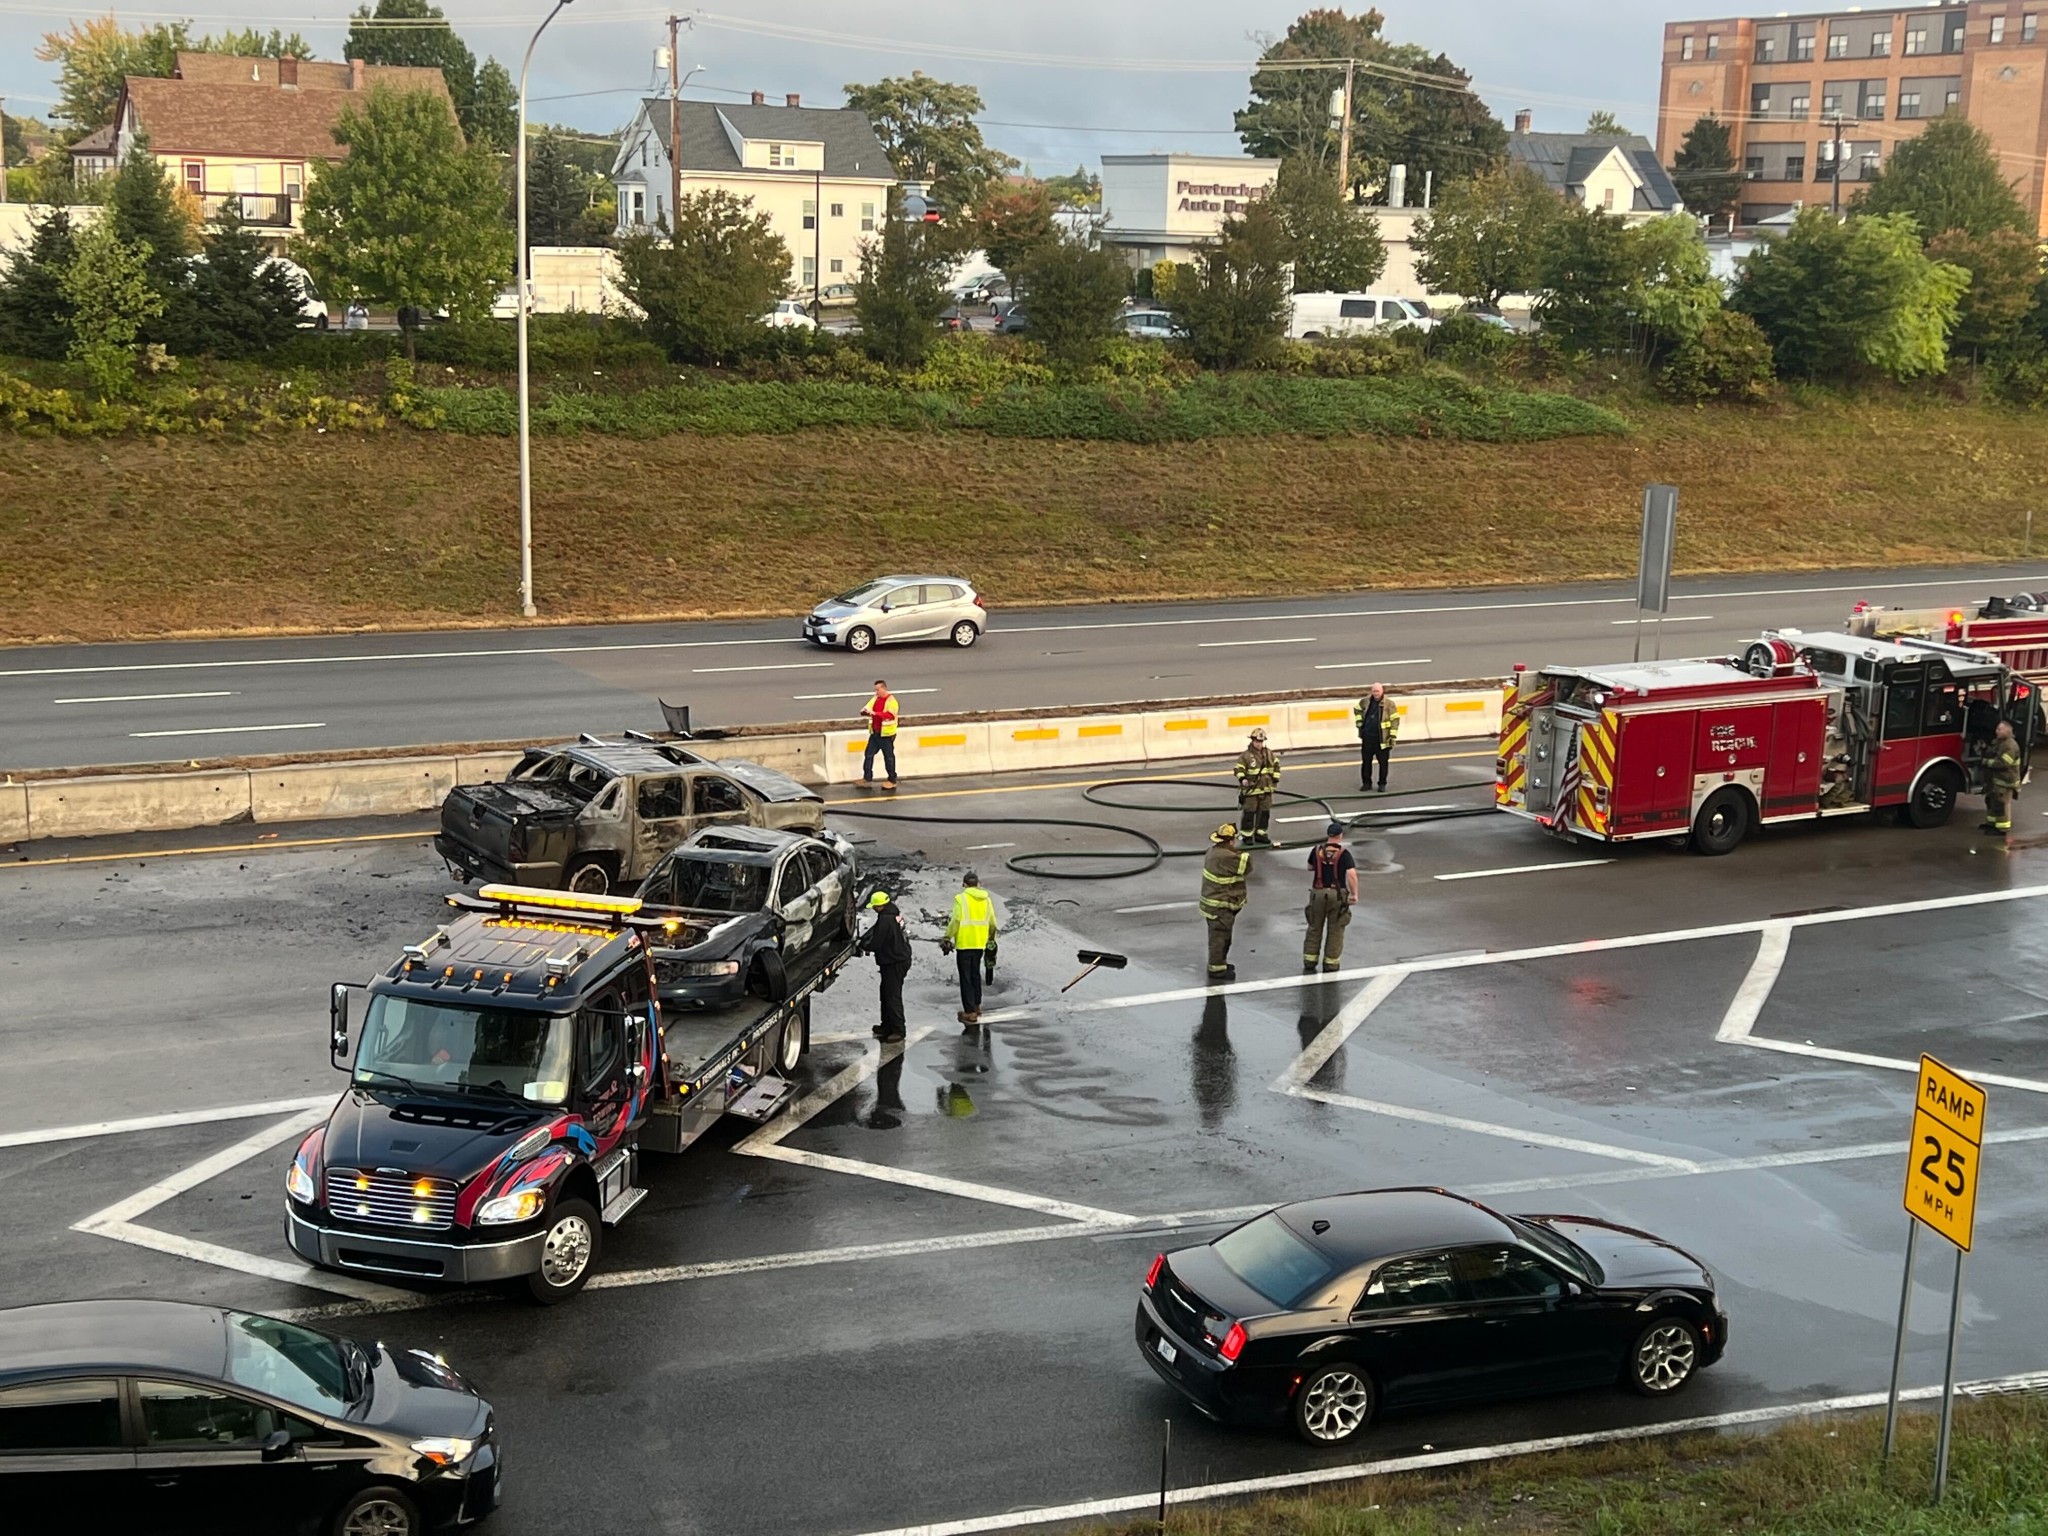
{"x": 1781, "y": 82}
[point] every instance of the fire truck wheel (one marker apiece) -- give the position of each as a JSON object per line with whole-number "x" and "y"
{"x": 568, "y": 1255}
{"x": 1934, "y": 797}
{"x": 588, "y": 877}
{"x": 1722, "y": 822}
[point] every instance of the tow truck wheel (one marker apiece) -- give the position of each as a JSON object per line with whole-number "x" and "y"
{"x": 378, "y": 1511}
{"x": 1722, "y": 822}
{"x": 859, "y": 638}
{"x": 568, "y": 1254}
{"x": 589, "y": 877}
{"x": 1934, "y": 797}
{"x": 790, "y": 1049}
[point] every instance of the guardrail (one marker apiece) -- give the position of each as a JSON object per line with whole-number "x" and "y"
{"x": 102, "y": 805}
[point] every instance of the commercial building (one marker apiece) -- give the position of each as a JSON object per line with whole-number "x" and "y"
{"x": 1789, "y": 84}
{"x": 1161, "y": 207}
{"x": 818, "y": 173}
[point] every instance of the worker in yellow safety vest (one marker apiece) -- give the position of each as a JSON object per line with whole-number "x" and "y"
{"x": 970, "y": 933}
{"x": 882, "y": 717}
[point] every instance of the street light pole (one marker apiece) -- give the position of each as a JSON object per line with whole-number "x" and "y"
{"x": 524, "y": 273}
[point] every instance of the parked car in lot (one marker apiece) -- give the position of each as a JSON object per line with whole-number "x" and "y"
{"x": 1321, "y": 1313}
{"x": 597, "y": 815}
{"x": 1315, "y": 316}
{"x": 892, "y": 608}
{"x": 1016, "y": 320}
{"x": 1152, "y": 324}
{"x": 789, "y": 314}
{"x": 154, "y": 1416}
{"x": 955, "y": 317}
{"x": 832, "y": 295}
{"x": 754, "y": 911}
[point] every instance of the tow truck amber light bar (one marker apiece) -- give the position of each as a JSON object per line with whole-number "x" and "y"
{"x": 560, "y": 901}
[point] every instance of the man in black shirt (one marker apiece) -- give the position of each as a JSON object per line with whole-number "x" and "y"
{"x": 887, "y": 941}
{"x": 1333, "y": 888}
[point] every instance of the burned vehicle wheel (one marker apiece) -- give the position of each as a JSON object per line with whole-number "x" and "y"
{"x": 1934, "y": 797}
{"x": 588, "y": 877}
{"x": 859, "y": 638}
{"x": 768, "y": 979}
{"x": 568, "y": 1254}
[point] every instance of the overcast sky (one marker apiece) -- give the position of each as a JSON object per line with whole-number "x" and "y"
{"x": 1562, "y": 59}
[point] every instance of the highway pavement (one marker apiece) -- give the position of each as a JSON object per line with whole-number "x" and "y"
{"x": 73, "y": 706}
{"x": 909, "y": 1303}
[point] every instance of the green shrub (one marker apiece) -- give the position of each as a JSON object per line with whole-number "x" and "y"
{"x": 975, "y": 364}
{"x": 1467, "y": 340}
{"x": 1728, "y": 358}
{"x": 2019, "y": 377}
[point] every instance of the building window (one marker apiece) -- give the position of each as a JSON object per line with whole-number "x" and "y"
{"x": 643, "y": 154}
{"x": 1881, "y": 44}
{"x": 1830, "y": 105}
{"x": 839, "y": 210}
{"x": 195, "y": 177}
{"x": 1916, "y": 40}
{"x": 1838, "y": 44}
{"x": 867, "y": 218}
{"x": 1799, "y": 107}
{"x": 1873, "y": 106}
{"x": 1795, "y": 167}
{"x": 810, "y": 214}
{"x": 1685, "y": 49}
{"x": 2030, "y": 28}
{"x": 1909, "y": 104}
{"x": 1998, "y": 29}
{"x": 1753, "y": 168}
{"x": 1948, "y": 102}
{"x": 632, "y": 206}
{"x": 810, "y": 276}
{"x": 1802, "y": 48}
{"x": 1767, "y": 50}
{"x": 1607, "y": 198}
{"x": 295, "y": 182}
{"x": 1713, "y": 45}
{"x": 778, "y": 156}
{"x": 838, "y": 266}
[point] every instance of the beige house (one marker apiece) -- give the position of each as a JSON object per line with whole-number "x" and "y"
{"x": 818, "y": 173}
{"x": 1620, "y": 174}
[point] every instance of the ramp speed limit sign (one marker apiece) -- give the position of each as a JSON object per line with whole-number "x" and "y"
{"x": 1941, "y": 1164}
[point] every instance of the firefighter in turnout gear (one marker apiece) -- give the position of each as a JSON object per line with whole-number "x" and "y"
{"x": 1258, "y": 775}
{"x": 2003, "y": 769}
{"x": 1378, "y": 722}
{"x": 1332, "y": 892}
{"x": 1224, "y": 894}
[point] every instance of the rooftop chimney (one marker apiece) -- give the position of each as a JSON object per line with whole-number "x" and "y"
{"x": 760, "y": 98}
{"x": 1522, "y": 120}
{"x": 792, "y": 100}
{"x": 288, "y": 73}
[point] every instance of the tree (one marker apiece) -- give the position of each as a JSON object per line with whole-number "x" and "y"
{"x": 1409, "y": 108}
{"x": 1839, "y": 298}
{"x": 1336, "y": 249}
{"x": 94, "y": 57}
{"x": 2005, "y": 270}
{"x": 1233, "y": 300}
{"x": 1077, "y": 290}
{"x": 1012, "y": 224}
{"x": 1605, "y": 125}
{"x": 927, "y": 128}
{"x": 107, "y": 283}
{"x": 419, "y": 45}
{"x": 899, "y": 292}
{"x": 1947, "y": 177}
{"x": 1078, "y": 190}
{"x": 1704, "y": 171}
{"x": 13, "y": 140}
{"x": 248, "y": 43}
{"x": 556, "y": 194}
{"x": 413, "y": 217}
{"x": 35, "y": 312}
{"x": 1488, "y": 235}
{"x": 706, "y": 289}
{"x": 148, "y": 214}
{"x": 242, "y": 303}
{"x": 493, "y": 119}
{"x": 1586, "y": 273}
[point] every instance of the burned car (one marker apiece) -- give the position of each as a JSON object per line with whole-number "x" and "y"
{"x": 747, "y": 911}
{"x": 596, "y": 816}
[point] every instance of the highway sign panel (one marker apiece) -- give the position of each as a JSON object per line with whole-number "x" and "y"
{"x": 1941, "y": 1163}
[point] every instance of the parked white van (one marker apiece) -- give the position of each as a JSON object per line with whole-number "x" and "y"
{"x": 1317, "y": 315}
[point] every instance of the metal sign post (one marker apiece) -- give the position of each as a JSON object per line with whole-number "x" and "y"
{"x": 1653, "y": 563}
{"x": 1941, "y": 1194}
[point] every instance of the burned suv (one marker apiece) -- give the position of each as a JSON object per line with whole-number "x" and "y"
{"x": 747, "y": 911}
{"x": 597, "y": 815}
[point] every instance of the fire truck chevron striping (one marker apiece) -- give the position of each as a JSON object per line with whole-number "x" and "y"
{"x": 1799, "y": 727}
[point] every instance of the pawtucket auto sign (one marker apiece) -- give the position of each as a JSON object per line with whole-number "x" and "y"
{"x": 1226, "y": 198}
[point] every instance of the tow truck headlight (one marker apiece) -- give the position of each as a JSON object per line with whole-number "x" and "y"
{"x": 523, "y": 1205}
{"x": 444, "y": 1450}
{"x": 299, "y": 1184}
{"x": 705, "y": 967}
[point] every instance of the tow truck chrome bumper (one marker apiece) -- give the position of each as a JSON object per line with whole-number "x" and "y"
{"x": 406, "y": 1258}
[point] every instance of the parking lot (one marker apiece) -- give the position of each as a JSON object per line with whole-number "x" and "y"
{"x": 908, "y": 1300}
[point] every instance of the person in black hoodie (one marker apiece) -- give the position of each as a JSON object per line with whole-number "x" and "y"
{"x": 887, "y": 941}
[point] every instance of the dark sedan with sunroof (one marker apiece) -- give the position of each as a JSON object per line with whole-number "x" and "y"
{"x": 1320, "y": 1314}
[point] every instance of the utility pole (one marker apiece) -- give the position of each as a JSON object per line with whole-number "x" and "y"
{"x": 1344, "y": 135}
{"x": 523, "y": 278}
{"x": 3, "y": 152}
{"x": 675, "y": 130}
{"x": 817, "y": 242}
{"x": 1836, "y": 123}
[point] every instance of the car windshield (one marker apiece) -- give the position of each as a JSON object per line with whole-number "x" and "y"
{"x": 304, "y": 1368}
{"x": 580, "y": 781}
{"x": 1267, "y": 1256}
{"x": 719, "y": 885}
{"x": 866, "y": 591}
{"x": 443, "y": 1045}
{"x": 1554, "y": 1246}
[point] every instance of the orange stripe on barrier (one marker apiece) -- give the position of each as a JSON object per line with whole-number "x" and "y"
{"x": 1037, "y": 735}
{"x": 1463, "y": 706}
{"x": 1100, "y": 730}
{"x": 1316, "y": 715}
{"x": 955, "y": 740}
{"x": 1186, "y": 725}
{"x": 1250, "y": 720}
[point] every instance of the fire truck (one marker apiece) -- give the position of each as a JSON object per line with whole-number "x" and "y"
{"x": 1798, "y": 727}
{"x": 2014, "y": 629}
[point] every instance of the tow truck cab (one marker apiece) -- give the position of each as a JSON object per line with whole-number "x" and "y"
{"x": 508, "y": 1070}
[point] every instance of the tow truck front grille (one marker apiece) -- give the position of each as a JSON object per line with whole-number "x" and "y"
{"x": 391, "y": 1199}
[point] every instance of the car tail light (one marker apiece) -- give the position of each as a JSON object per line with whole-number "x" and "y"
{"x": 1152, "y": 1274}
{"x": 1233, "y": 1342}
{"x": 978, "y": 602}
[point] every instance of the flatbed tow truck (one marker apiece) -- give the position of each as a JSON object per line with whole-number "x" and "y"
{"x": 510, "y": 1070}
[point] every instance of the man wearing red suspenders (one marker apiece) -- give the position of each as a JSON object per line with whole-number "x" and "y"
{"x": 1333, "y": 888}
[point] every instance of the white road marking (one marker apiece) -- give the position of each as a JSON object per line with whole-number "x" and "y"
{"x": 1680, "y": 618}
{"x": 773, "y": 666}
{"x": 1093, "y": 1509}
{"x": 233, "y": 730}
{"x": 1391, "y": 810}
{"x": 1501, "y": 1132}
{"x": 865, "y": 693}
{"x": 857, "y": 1253}
{"x": 1522, "y": 869}
{"x": 1218, "y": 645}
{"x": 1773, "y": 943}
{"x": 1157, "y": 906}
{"x": 985, "y": 847}
{"x": 147, "y": 1199}
{"x": 160, "y": 1122}
{"x": 1326, "y": 1044}
{"x": 140, "y": 698}
{"x": 489, "y": 653}
{"x": 1346, "y": 666}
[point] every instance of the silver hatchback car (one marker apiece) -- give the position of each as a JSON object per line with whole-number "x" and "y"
{"x": 892, "y": 608}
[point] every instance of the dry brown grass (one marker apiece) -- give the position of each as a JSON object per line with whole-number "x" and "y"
{"x": 129, "y": 538}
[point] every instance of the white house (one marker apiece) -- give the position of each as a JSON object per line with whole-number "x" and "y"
{"x": 1619, "y": 174}
{"x": 818, "y": 173}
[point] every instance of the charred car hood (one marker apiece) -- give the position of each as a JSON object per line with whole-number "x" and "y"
{"x": 707, "y": 935}
{"x": 411, "y": 1393}
{"x": 452, "y": 1137}
{"x": 1628, "y": 1258}
{"x": 515, "y": 799}
{"x": 769, "y": 783}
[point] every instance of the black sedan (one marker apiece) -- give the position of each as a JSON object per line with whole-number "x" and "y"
{"x": 1321, "y": 1313}
{"x": 151, "y": 1416}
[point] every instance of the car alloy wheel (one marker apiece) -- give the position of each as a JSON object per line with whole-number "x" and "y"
{"x": 859, "y": 638}
{"x": 1334, "y": 1405}
{"x": 377, "y": 1512}
{"x": 1665, "y": 1356}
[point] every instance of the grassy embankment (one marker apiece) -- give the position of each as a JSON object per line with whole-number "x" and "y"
{"x": 1814, "y": 1479}
{"x": 136, "y": 535}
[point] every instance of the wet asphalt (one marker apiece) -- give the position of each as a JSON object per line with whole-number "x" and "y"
{"x": 747, "y": 1361}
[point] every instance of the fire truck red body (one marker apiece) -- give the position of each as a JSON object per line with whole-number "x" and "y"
{"x": 2014, "y": 629}
{"x": 1800, "y": 727}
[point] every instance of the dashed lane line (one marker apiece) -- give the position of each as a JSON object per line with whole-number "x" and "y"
{"x": 1521, "y": 869}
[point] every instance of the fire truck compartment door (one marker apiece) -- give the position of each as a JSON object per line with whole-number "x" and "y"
{"x": 1732, "y": 739}
{"x": 1798, "y": 744}
{"x": 1653, "y": 772}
